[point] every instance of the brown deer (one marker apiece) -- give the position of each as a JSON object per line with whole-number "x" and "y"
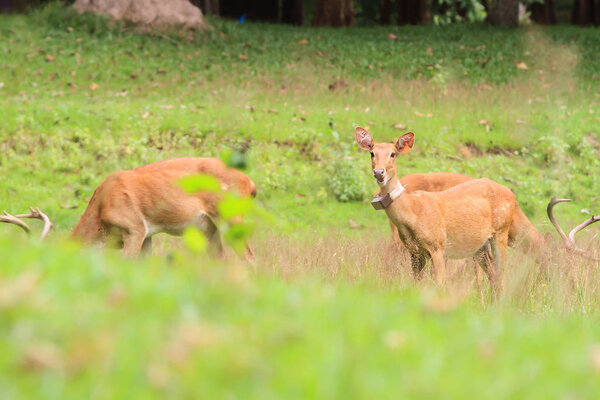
{"x": 131, "y": 206}
{"x": 522, "y": 233}
{"x": 470, "y": 219}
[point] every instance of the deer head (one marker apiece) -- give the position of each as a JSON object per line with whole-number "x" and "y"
{"x": 383, "y": 155}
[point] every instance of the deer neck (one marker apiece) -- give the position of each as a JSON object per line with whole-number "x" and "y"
{"x": 393, "y": 187}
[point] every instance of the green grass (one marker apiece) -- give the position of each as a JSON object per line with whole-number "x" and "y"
{"x": 323, "y": 316}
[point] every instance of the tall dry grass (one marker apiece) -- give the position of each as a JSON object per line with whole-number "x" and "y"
{"x": 555, "y": 281}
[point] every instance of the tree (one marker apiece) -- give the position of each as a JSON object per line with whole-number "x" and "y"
{"x": 292, "y": 12}
{"x": 210, "y": 7}
{"x": 586, "y": 12}
{"x": 334, "y": 13}
{"x": 504, "y": 12}
{"x": 543, "y": 13}
{"x": 386, "y": 11}
{"x": 413, "y": 12}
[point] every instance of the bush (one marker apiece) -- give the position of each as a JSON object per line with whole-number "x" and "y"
{"x": 347, "y": 182}
{"x": 60, "y": 16}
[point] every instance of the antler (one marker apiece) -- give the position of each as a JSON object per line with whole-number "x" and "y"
{"x": 569, "y": 241}
{"x": 11, "y": 219}
{"x": 554, "y": 201}
{"x": 34, "y": 213}
{"x": 581, "y": 226}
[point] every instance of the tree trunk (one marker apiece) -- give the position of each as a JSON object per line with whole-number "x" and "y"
{"x": 386, "y": 12}
{"x": 334, "y": 13}
{"x": 504, "y": 12}
{"x": 210, "y": 7}
{"x": 586, "y": 12}
{"x": 543, "y": 13}
{"x": 413, "y": 12}
{"x": 266, "y": 10}
{"x": 292, "y": 12}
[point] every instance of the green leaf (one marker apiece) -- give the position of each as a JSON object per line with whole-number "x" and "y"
{"x": 194, "y": 240}
{"x": 200, "y": 183}
{"x": 233, "y": 206}
{"x": 236, "y": 236}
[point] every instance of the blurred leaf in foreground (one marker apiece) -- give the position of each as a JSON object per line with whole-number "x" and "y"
{"x": 194, "y": 240}
{"x": 200, "y": 183}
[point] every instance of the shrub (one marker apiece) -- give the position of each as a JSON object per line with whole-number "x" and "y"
{"x": 347, "y": 181}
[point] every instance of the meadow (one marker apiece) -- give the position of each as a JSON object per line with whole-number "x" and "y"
{"x": 323, "y": 314}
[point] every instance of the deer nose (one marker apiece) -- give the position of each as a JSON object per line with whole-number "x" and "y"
{"x": 378, "y": 173}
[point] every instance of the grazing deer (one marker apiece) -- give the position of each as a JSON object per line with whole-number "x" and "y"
{"x": 521, "y": 235}
{"x": 133, "y": 205}
{"x": 470, "y": 219}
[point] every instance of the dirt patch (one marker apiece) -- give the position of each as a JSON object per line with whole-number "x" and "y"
{"x": 337, "y": 85}
{"x": 308, "y": 150}
{"x": 593, "y": 141}
{"x": 470, "y": 150}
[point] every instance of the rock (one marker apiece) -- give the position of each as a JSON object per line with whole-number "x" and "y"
{"x": 147, "y": 13}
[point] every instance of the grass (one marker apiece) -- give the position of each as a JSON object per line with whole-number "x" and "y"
{"x": 324, "y": 315}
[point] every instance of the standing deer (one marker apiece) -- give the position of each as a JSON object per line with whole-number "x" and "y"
{"x": 521, "y": 235}
{"x": 470, "y": 219}
{"x": 131, "y": 206}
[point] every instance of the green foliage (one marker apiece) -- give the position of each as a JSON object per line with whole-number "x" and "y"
{"x": 200, "y": 183}
{"x": 233, "y": 206}
{"x": 94, "y": 325}
{"x": 453, "y": 11}
{"x": 58, "y": 16}
{"x": 194, "y": 240}
{"x": 346, "y": 181}
{"x": 178, "y": 325}
{"x": 235, "y": 159}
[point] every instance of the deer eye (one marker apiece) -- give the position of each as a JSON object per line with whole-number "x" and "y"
{"x": 393, "y": 155}
{"x": 372, "y": 155}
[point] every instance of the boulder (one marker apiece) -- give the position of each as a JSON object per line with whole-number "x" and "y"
{"x": 147, "y": 13}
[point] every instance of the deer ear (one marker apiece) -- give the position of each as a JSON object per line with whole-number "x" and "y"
{"x": 405, "y": 143}
{"x": 364, "y": 139}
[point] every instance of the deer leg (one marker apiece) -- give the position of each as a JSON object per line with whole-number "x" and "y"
{"x": 208, "y": 226}
{"x": 132, "y": 243}
{"x": 498, "y": 244}
{"x": 147, "y": 246}
{"x": 249, "y": 253}
{"x": 439, "y": 266}
{"x": 501, "y": 244}
{"x": 418, "y": 261}
{"x": 484, "y": 261}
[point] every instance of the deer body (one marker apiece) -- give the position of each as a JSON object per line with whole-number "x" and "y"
{"x": 133, "y": 205}
{"x": 470, "y": 219}
{"x": 462, "y": 233}
{"x": 521, "y": 235}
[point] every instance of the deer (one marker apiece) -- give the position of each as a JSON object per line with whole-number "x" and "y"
{"x": 130, "y": 206}
{"x": 471, "y": 219}
{"x": 522, "y": 233}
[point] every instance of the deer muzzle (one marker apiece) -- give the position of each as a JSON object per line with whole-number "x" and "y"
{"x": 379, "y": 174}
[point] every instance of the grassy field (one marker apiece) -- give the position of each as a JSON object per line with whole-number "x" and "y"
{"x": 324, "y": 315}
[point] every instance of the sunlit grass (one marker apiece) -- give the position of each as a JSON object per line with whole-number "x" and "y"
{"x": 326, "y": 312}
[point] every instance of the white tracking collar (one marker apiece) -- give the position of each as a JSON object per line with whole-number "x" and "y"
{"x": 381, "y": 202}
{"x": 394, "y": 194}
